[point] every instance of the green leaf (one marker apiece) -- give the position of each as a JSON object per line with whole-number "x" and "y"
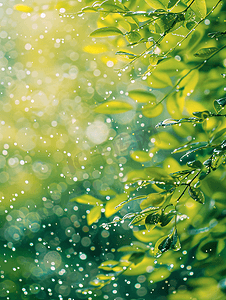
{"x": 217, "y": 159}
{"x": 106, "y": 31}
{"x": 165, "y": 140}
{"x": 112, "y": 207}
{"x": 136, "y": 258}
{"x": 199, "y": 7}
{"x": 171, "y": 3}
{"x": 197, "y": 145}
{"x": 159, "y": 80}
{"x": 134, "y": 247}
{"x": 163, "y": 245}
{"x": 87, "y": 199}
{"x": 126, "y": 54}
{"x": 196, "y": 194}
{"x": 94, "y": 215}
{"x": 206, "y": 52}
{"x": 166, "y": 218}
{"x": 202, "y": 114}
{"x": 219, "y": 104}
{"x": 218, "y": 135}
{"x": 142, "y": 96}
{"x": 190, "y": 25}
{"x": 196, "y": 164}
{"x": 156, "y": 4}
{"x": 113, "y": 107}
{"x": 130, "y": 199}
{"x": 133, "y": 37}
{"x": 152, "y": 110}
{"x": 140, "y": 156}
{"x": 154, "y": 199}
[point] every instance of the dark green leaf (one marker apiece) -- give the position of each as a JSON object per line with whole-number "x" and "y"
{"x": 196, "y": 164}
{"x": 133, "y": 37}
{"x": 171, "y": 3}
{"x": 196, "y": 194}
{"x": 218, "y": 135}
{"x": 205, "y": 52}
{"x": 202, "y": 114}
{"x": 219, "y": 104}
{"x": 190, "y": 25}
{"x": 166, "y": 218}
{"x": 136, "y": 258}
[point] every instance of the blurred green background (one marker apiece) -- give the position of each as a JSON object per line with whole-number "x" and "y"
{"x": 54, "y": 147}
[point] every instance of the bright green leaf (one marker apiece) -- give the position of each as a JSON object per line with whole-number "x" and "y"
{"x": 140, "y": 156}
{"x": 205, "y": 52}
{"x": 152, "y": 110}
{"x": 113, "y": 107}
{"x": 87, "y": 199}
{"x": 105, "y": 32}
{"x": 94, "y": 215}
{"x": 142, "y": 96}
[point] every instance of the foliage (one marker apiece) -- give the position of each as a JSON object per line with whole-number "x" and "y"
{"x": 174, "y": 51}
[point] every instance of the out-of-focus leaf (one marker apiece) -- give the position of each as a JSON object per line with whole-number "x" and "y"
{"x": 136, "y": 258}
{"x": 105, "y": 32}
{"x": 95, "y": 48}
{"x": 94, "y": 215}
{"x": 190, "y": 25}
{"x": 142, "y": 96}
{"x": 110, "y": 207}
{"x": 205, "y": 52}
{"x": 159, "y": 275}
{"x": 23, "y": 8}
{"x": 159, "y": 80}
{"x": 175, "y": 105}
{"x": 87, "y": 199}
{"x": 134, "y": 247}
{"x": 108, "y": 265}
{"x": 165, "y": 140}
{"x": 113, "y": 107}
{"x": 140, "y": 156}
{"x": 189, "y": 83}
{"x": 152, "y": 110}
{"x": 196, "y": 194}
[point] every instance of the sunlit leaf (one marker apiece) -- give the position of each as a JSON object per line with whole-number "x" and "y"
{"x": 87, "y": 199}
{"x": 133, "y": 37}
{"x": 113, "y": 107}
{"x": 95, "y": 48}
{"x": 205, "y": 52}
{"x": 154, "y": 199}
{"x": 165, "y": 140}
{"x": 159, "y": 80}
{"x": 156, "y": 4}
{"x": 159, "y": 275}
{"x": 129, "y": 55}
{"x": 140, "y": 156}
{"x": 189, "y": 83}
{"x": 142, "y": 96}
{"x": 105, "y": 32}
{"x": 111, "y": 205}
{"x": 94, "y": 215}
{"x": 152, "y": 110}
{"x": 199, "y": 7}
{"x": 23, "y": 8}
